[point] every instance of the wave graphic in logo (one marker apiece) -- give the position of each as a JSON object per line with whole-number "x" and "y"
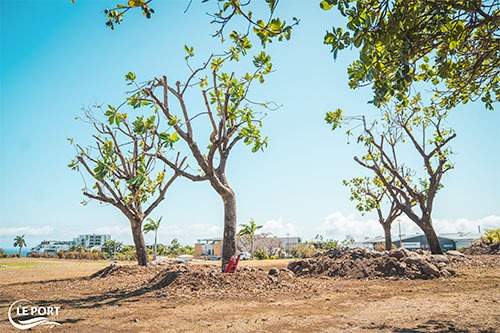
{"x": 29, "y": 323}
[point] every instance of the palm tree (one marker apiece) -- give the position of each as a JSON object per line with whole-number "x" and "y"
{"x": 112, "y": 246}
{"x": 20, "y": 242}
{"x": 152, "y": 225}
{"x": 249, "y": 230}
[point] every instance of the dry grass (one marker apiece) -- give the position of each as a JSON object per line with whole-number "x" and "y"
{"x": 469, "y": 303}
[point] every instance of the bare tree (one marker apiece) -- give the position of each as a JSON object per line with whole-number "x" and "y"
{"x": 229, "y": 118}
{"x": 372, "y": 195}
{"x": 416, "y": 128}
{"x": 123, "y": 164}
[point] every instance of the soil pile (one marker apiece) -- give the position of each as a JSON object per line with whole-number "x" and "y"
{"x": 200, "y": 280}
{"x": 359, "y": 263}
{"x": 482, "y": 247}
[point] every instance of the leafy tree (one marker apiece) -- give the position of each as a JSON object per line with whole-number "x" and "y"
{"x": 153, "y": 225}
{"x": 491, "y": 235}
{"x": 3, "y": 254}
{"x": 80, "y": 248}
{"x": 414, "y": 127}
{"x": 112, "y": 246}
{"x": 176, "y": 249}
{"x": 249, "y": 230}
{"x": 228, "y": 10}
{"x": 452, "y": 44}
{"x": 123, "y": 164}
{"x": 303, "y": 250}
{"x": 320, "y": 243}
{"x": 371, "y": 194}
{"x": 20, "y": 242}
{"x": 229, "y": 117}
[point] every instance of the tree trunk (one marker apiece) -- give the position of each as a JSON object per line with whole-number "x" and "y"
{"x": 252, "y": 248}
{"x": 229, "y": 240}
{"x": 20, "y": 251}
{"x": 140, "y": 245}
{"x": 431, "y": 236}
{"x": 388, "y": 237}
{"x": 154, "y": 246}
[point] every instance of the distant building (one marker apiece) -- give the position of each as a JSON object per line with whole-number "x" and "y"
{"x": 91, "y": 240}
{"x": 419, "y": 241}
{"x": 462, "y": 239}
{"x": 289, "y": 242}
{"x": 209, "y": 248}
{"x": 52, "y": 246}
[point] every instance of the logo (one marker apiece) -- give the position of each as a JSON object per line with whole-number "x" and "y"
{"x": 32, "y": 311}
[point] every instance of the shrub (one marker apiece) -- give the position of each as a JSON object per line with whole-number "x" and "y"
{"x": 304, "y": 250}
{"x": 381, "y": 246}
{"x": 491, "y": 235}
{"x": 2, "y": 253}
{"x": 260, "y": 254}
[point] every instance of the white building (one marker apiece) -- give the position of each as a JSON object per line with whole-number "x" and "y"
{"x": 289, "y": 242}
{"x": 52, "y": 246}
{"x": 91, "y": 240}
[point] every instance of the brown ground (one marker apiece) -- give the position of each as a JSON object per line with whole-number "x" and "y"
{"x": 197, "y": 298}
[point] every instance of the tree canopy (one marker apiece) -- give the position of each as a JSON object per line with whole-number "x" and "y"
{"x": 454, "y": 45}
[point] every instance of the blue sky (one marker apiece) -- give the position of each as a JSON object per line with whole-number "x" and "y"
{"x": 57, "y": 58}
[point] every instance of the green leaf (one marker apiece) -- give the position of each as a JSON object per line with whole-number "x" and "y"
{"x": 130, "y": 76}
{"x": 325, "y": 5}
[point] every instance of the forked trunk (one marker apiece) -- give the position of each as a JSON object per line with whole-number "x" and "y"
{"x": 229, "y": 241}
{"x": 431, "y": 236}
{"x": 140, "y": 245}
{"x": 388, "y": 237}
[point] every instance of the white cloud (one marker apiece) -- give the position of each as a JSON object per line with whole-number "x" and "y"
{"x": 466, "y": 225}
{"x": 338, "y": 226}
{"x": 193, "y": 230}
{"x": 278, "y": 228}
{"x": 114, "y": 230}
{"x": 31, "y": 231}
{"x": 205, "y": 230}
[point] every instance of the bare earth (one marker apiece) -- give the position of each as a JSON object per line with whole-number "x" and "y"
{"x": 198, "y": 298}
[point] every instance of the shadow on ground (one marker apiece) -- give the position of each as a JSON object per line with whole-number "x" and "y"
{"x": 433, "y": 326}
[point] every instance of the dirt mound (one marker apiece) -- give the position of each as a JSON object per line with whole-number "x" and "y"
{"x": 200, "y": 280}
{"x": 361, "y": 263}
{"x": 482, "y": 247}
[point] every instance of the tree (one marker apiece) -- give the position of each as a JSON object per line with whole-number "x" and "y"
{"x": 372, "y": 195}
{"x": 249, "y": 231}
{"x": 491, "y": 235}
{"x": 153, "y": 225}
{"x": 268, "y": 242}
{"x": 20, "y": 242}
{"x": 123, "y": 164}
{"x": 320, "y": 243}
{"x": 417, "y": 128}
{"x": 229, "y": 117}
{"x": 265, "y": 29}
{"x": 112, "y": 246}
{"x": 454, "y": 44}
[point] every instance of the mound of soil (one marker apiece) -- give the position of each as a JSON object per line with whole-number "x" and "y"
{"x": 361, "y": 263}
{"x": 482, "y": 247}
{"x": 200, "y": 280}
